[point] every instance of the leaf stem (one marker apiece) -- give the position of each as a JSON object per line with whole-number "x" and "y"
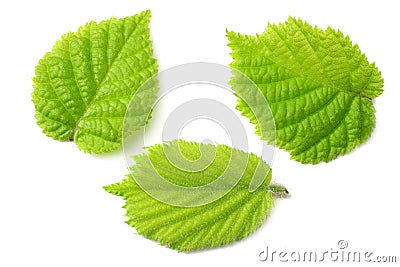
{"x": 278, "y": 191}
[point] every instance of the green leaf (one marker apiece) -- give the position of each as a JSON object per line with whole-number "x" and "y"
{"x": 196, "y": 223}
{"x": 318, "y": 84}
{"x": 83, "y": 86}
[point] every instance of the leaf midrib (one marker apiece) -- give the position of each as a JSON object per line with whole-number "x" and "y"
{"x": 104, "y": 79}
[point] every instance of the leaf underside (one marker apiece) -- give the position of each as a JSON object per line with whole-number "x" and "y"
{"x": 318, "y": 84}
{"x": 232, "y": 217}
{"x": 83, "y": 86}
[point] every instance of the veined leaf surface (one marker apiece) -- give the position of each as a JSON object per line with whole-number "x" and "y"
{"x": 235, "y": 215}
{"x": 83, "y": 86}
{"x": 318, "y": 84}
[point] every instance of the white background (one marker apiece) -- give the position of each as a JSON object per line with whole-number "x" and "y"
{"x": 53, "y": 210}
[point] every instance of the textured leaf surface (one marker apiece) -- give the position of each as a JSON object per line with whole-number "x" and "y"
{"x": 318, "y": 84}
{"x": 83, "y": 86}
{"x": 232, "y": 217}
